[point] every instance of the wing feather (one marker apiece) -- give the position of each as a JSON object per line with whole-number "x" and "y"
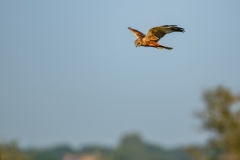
{"x": 137, "y": 33}
{"x": 156, "y": 33}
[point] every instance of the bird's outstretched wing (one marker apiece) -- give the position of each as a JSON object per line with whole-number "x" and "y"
{"x": 156, "y": 33}
{"x": 137, "y": 33}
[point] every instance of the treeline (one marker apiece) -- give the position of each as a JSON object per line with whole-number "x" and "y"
{"x": 130, "y": 147}
{"x": 220, "y": 116}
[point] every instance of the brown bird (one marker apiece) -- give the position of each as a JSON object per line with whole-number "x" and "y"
{"x": 154, "y": 35}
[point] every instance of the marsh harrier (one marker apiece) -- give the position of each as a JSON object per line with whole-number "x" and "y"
{"x": 154, "y": 35}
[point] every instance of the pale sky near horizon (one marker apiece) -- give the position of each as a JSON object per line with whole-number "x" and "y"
{"x": 70, "y": 72}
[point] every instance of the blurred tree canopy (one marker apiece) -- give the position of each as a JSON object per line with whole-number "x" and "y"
{"x": 132, "y": 147}
{"x": 10, "y": 151}
{"x": 221, "y": 117}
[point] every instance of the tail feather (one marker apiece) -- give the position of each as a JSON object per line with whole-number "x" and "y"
{"x": 161, "y": 47}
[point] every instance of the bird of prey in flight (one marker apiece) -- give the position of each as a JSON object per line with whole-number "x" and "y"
{"x": 154, "y": 35}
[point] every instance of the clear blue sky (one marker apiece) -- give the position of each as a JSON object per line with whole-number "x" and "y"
{"x": 70, "y": 72}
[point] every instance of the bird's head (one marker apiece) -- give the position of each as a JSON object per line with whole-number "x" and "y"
{"x": 137, "y": 43}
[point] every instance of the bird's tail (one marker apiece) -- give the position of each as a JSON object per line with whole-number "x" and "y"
{"x": 161, "y": 47}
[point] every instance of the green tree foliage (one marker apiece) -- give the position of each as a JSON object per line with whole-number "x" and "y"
{"x": 95, "y": 149}
{"x": 10, "y": 151}
{"x": 55, "y": 153}
{"x": 221, "y": 117}
{"x": 132, "y": 147}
